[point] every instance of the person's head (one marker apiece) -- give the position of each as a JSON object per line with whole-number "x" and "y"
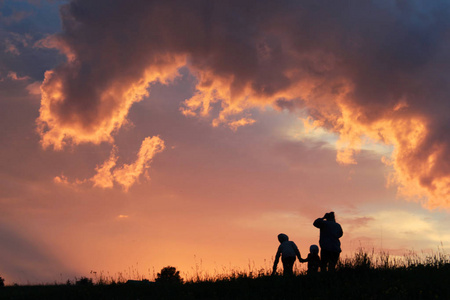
{"x": 283, "y": 237}
{"x": 330, "y": 216}
{"x": 314, "y": 249}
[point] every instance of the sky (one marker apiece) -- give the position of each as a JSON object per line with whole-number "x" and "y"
{"x": 137, "y": 135}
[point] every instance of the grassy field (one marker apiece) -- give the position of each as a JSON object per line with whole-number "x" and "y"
{"x": 362, "y": 277}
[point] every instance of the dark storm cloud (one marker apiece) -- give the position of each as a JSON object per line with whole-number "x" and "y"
{"x": 359, "y": 67}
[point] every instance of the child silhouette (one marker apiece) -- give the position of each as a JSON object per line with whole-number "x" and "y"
{"x": 288, "y": 251}
{"x": 313, "y": 259}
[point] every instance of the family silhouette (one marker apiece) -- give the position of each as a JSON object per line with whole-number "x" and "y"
{"x": 330, "y": 248}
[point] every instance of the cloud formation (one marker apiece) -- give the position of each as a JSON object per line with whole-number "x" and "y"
{"x": 127, "y": 174}
{"x": 15, "y": 77}
{"x": 376, "y": 69}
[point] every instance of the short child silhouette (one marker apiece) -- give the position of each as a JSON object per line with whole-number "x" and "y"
{"x": 288, "y": 251}
{"x": 313, "y": 259}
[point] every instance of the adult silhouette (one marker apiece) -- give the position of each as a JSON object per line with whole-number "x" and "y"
{"x": 330, "y": 246}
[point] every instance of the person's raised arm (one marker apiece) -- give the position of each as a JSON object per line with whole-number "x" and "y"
{"x": 319, "y": 222}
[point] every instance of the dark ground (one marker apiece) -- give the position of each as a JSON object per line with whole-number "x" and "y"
{"x": 421, "y": 282}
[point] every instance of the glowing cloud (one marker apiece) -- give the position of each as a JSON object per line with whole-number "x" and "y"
{"x": 89, "y": 113}
{"x": 61, "y": 180}
{"x": 127, "y": 175}
{"x": 14, "y": 76}
{"x": 376, "y": 69}
{"x": 104, "y": 177}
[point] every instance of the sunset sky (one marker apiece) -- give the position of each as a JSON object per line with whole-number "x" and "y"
{"x": 140, "y": 134}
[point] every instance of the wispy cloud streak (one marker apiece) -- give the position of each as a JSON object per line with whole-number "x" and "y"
{"x": 127, "y": 174}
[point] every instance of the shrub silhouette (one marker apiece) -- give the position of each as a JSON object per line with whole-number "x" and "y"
{"x": 84, "y": 281}
{"x": 169, "y": 274}
{"x": 363, "y": 260}
{"x": 2, "y": 282}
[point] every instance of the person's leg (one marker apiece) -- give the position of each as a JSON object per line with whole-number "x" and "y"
{"x": 288, "y": 265}
{"x": 325, "y": 259}
{"x": 334, "y": 257}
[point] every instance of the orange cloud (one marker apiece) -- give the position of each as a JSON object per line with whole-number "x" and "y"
{"x": 61, "y": 180}
{"x": 104, "y": 177}
{"x": 127, "y": 174}
{"x": 414, "y": 160}
{"x": 15, "y": 77}
{"x": 354, "y": 76}
{"x": 416, "y": 172}
{"x": 34, "y": 88}
{"x": 82, "y": 104}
